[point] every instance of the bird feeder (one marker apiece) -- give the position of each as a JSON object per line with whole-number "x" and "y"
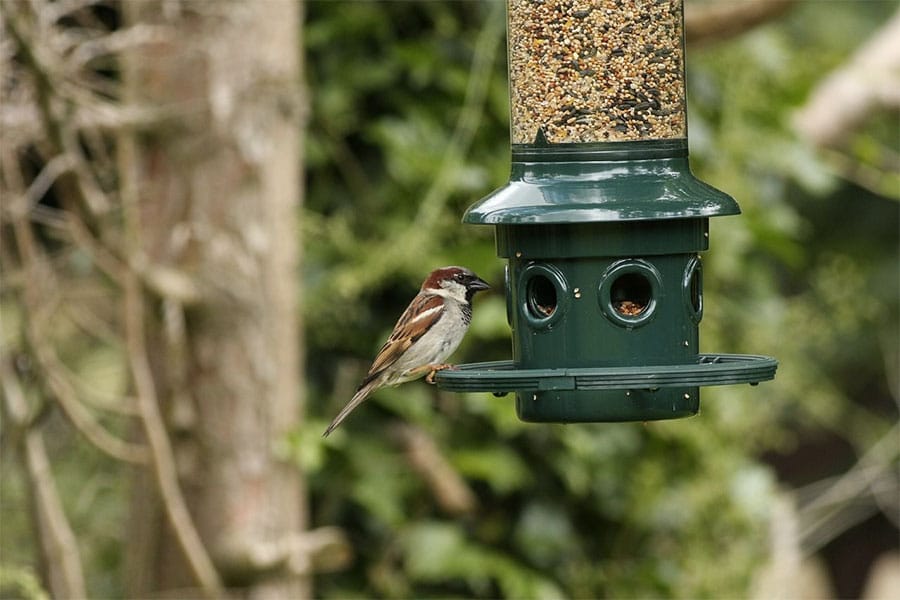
{"x": 602, "y": 221}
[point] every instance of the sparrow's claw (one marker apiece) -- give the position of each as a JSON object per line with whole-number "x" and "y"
{"x": 434, "y": 369}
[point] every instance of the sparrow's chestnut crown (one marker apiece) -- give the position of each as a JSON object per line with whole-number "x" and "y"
{"x": 461, "y": 275}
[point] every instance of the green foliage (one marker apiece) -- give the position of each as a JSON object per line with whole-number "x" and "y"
{"x": 20, "y": 583}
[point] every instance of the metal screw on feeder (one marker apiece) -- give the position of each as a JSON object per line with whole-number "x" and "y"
{"x": 602, "y": 221}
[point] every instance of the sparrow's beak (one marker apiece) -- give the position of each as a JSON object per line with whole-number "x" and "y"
{"x": 478, "y": 284}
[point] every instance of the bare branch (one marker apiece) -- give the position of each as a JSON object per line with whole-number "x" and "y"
{"x": 54, "y": 536}
{"x": 883, "y": 180}
{"x": 449, "y": 489}
{"x": 115, "y": 404}
{"x": 80, "y": 417}
{"x": 712, "y": 22}
{"x": 316, "y": 551}
{"x": 847, "y": 97}
{"x": 55, "y": 167}
{"x": 163, "y": 459}
{"x": 80, "y": 188}
{"x": 167, "y": 282}
{"x": 853, "y": 496}
{"x": 102, "y": 256}
{"x": 117, "y": 41}
{"x": 20, "y": 120}
{"x": 39, "y": 297}
{"x": 66, "y": 8}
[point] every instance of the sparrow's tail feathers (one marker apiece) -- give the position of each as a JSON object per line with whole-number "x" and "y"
{"x": 361, "y": 394}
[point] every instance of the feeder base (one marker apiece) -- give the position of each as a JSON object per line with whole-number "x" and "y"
{"x": 602, "y": 394}
{"x": 607, "y": 406}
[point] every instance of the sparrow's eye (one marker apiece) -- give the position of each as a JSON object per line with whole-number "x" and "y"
{"x": 458, "y": 277}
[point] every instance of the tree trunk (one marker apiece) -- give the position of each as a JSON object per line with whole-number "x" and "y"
{"x": 215, "y": 194}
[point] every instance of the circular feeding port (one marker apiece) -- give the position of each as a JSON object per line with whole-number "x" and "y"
{"x": 543, "y": 295}
{"x": 631, "y": 294}
{"x": 629, "y": 291}
{"x": 542, "y": 299}
{"x": 693, "y": 289}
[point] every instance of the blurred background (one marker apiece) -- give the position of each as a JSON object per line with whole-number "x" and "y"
{"x": 213, "y": 214}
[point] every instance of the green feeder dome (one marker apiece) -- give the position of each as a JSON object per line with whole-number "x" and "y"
{"x": 602, "y": 222}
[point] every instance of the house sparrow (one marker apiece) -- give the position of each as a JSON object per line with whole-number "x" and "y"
{"x": 424, "y": 337}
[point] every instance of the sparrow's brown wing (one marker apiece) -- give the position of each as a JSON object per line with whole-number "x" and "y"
{"x": 421, "y": 314}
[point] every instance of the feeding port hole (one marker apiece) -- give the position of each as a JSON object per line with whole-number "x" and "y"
{"x": 543, "y": 295}
{"x": 542, "y": 299}
{"x": 631, "y": 294}
{"x": 629, "y": 291}
{"x": 693, "y": 287}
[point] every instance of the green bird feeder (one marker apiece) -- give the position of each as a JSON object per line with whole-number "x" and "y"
{"x": 602, "y": 221}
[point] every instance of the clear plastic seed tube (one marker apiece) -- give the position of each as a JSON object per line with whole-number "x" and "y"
{"x": 585, "y": 71}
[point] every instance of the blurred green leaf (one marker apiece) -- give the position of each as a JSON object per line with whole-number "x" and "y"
{"x": 497, "y": 465}
{"x": 436, "y": 552}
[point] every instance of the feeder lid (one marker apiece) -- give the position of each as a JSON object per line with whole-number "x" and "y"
{"x": 615, "y": 181}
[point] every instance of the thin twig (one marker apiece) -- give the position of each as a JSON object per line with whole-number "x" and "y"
{"x": 79, "y": 188}
{"x": 113, "y": 403}
{"x": 38, "y": 297}
{"x": 880, "y": 181}
{"x": 845, "y": 502}
{"x": 80, "y": 417}
{"x": 163, "y": 459}
{"x": 448, "y": 487}
{"x": 55, "y": 167}
{"x": 118, "y": 41}
{"x": 65, "y": 576}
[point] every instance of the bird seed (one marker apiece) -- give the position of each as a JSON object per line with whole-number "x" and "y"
{"x": 596, "y": 70}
